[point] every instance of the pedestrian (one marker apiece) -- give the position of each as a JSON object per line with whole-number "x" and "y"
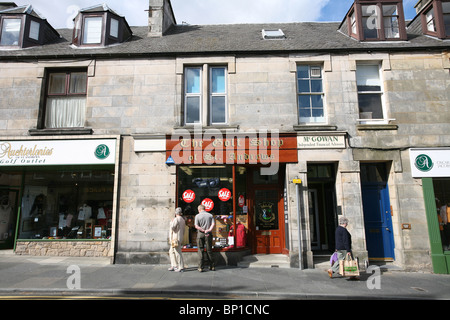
{"x": 176, "y": 234}
{"x": 204, "y": 223}
{"x": 343, "y": 244}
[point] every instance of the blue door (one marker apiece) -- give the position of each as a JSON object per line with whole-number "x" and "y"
{"x": 377, "y": 220}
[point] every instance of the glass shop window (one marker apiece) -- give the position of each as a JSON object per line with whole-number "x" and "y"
{"x": 67, "y": 204}
{"x": 213, "y": 186}
{"x": 442, "y": 195}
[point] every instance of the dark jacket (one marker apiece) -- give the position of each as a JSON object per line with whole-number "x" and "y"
{"x": 343, "y": 239}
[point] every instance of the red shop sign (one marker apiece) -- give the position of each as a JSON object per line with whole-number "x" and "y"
{"x": 224, "y": 194}
{"x": 208, "y": 203}
{"x": 188, "y": 196}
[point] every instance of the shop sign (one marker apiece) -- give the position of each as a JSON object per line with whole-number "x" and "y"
{"x": 321, "y": 142}
{"x": 188, "y": 196}
{"x": 430, "y": 162}
{"x": 233, "y": 149}
{"x": 209, "y": 204}
{"x": 224, "y": 194}
{"x": 57, "y": 152}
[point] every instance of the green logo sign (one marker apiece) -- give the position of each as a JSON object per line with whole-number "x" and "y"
{"x": 102, "y": 152}
{"x": 424, "y": 163}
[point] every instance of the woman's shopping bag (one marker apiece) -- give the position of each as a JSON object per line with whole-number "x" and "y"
{"x": 349, "y": 267}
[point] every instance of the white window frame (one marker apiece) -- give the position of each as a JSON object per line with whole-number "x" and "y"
{"x": 312, "y": 120}
{"x": 205, "y": 95}
{"x": 380, "y": 92}
{"x": 92, "y": 36}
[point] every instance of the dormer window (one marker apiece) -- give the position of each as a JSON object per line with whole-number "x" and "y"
{"x": 435, "y": 18}
{"x": 380, "y": 20}
{"x": 11, "y": 28}
{"x": 100, "y": 26}
{"x": 23, "y": 27}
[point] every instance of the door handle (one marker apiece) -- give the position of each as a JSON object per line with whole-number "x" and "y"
{"x": 387, "y": 229}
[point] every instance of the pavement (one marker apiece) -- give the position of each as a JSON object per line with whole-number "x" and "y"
{"x": 59, "y": 277}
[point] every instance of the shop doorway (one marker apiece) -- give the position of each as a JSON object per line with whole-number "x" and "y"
{"x": 9, "y": 199}
{"x": 266, "y": 213}
{"x": 377, "y": 212}
{"x": 322, "y": 207}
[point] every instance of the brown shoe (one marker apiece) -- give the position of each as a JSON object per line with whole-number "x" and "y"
{"x": 330, "y": 273}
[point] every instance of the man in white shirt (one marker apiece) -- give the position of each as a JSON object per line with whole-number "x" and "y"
{"x": 204, "y": 223}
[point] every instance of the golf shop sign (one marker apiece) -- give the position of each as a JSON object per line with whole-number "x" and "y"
{"x": 430, "y": 162}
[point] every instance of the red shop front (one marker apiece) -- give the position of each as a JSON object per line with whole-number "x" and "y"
{"x": 240, "y": 180}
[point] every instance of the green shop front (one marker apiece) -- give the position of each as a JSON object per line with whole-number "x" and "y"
{"x": 57, "y": 196}
{"x": 432, "y": 166}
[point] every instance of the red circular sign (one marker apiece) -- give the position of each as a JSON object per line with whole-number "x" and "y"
{"x": 208, "y": 203}
{"x": 188, "y": 196}
{"x": 224, "y": 194}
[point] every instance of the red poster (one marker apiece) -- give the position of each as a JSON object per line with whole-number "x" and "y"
{"x": 241, "y": 201}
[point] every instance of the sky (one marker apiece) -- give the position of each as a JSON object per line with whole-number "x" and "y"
{"x": 60, "y": 13}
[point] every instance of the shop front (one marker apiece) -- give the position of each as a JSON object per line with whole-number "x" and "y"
{"x": 58, "y": 196}
{"x": 240, "y": 179}
{"x": 433, "y": 167}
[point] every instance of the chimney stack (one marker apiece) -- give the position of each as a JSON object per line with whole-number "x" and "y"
{"x": 160, "y": 17}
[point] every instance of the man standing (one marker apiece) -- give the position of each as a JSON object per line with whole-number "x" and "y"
{"x": 176, "y": 234}
{"x": 204, "y": 223}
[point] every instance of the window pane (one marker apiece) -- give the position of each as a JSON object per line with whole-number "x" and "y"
{"x": 114, "y": 32}
{"x": 65, "y": 112}
{"x": 218, "y": 110}
{"x": 390, "y": 10}
{"x": 317, "y": 101}
{"x": 34, "y": 30}
{"x": 10, "y": 32}
{"x": 447, "y": 24}
{"x": 304, "y": 101}
{"x": 370, "y": 106}
{"x": 60, "y": 202}
{"x": 78, "y": 82}
{"x": 192, "y": 109}
{"x": 317, "y": 113}
{"x": 218, "y": 80}
{"x": 368, "y": 75}
{"x": 303, "y": 86}
{"x": 446, "y": 11}
{"x": 92, "y": 30}
{"x": 193, "y": 80}
{"x": 57, "y": 83}
{"x": 305, "y": 114}
{"x": 316, "y": 86}
{"x": 430, "y": 20}
{"x": 303, "y": 72}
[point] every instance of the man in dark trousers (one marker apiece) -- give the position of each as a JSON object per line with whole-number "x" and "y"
{"x": 204, "y": 223}
{"x": 343, "y": 244}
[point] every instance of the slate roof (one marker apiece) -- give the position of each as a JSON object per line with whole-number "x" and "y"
{"x": 229, "y": 39}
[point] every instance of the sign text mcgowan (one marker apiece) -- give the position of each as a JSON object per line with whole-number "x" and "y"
{"x": 328, "y": 142}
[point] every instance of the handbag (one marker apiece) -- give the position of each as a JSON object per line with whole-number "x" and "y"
{"x": 349, "y": 267}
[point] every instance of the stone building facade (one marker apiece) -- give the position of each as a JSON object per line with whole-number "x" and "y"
{"x": 352, "y": 155}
